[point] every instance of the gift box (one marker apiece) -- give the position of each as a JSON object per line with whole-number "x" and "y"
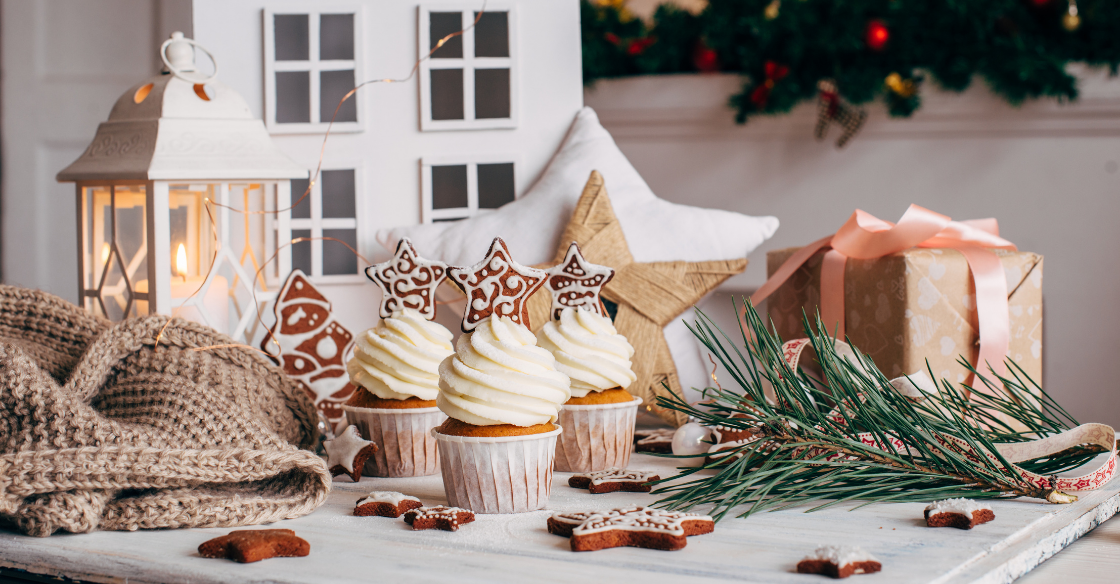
{"x": 915, "y": 305}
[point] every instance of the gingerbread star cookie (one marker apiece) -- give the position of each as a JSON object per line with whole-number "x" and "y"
{"x": 347, "y": 454}
{"x": 254, "y": 545}
{"x": 441, "y": 517}
{"x": 839, "y": 562}
{"x": 960, "y": 513}
{"x": 614, "y": 479}
{"x": 576, "y": 283}
{"x": 385, "y": 504}
{"x": 408, "y": 281}
{"x": 659, "y": 440}
{"x": 497, "y": 286}
{"x": 312, "y": 346}
{"x": 643, "y": 527}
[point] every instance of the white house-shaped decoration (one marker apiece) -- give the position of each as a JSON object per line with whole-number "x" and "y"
{"x": 470, "y": 130}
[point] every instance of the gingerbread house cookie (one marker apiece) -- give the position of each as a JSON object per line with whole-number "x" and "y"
{"x": 311, "y": 346}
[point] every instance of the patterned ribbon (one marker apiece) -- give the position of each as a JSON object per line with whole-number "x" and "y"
{"x": 1012, "y": 452}
{"x": 865, "y": 236}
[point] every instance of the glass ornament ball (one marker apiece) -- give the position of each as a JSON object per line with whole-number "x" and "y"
{"x": 692, "y": 439}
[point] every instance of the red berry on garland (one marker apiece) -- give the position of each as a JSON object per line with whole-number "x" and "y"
{"x": 612, "y": 38}
{"x": 639, "y": 46}
{"x": 705, "y": 58}
{"x": 877, "y": 35}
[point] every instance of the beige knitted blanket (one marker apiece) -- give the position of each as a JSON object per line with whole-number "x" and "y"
{"x": 102, "y": 429}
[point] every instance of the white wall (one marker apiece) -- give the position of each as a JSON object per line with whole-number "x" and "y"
{"x": 1049, "y": 173}
{"x": 64, "y": 65}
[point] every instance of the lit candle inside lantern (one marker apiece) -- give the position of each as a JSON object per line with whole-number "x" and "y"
{"x": 216, "y": 300}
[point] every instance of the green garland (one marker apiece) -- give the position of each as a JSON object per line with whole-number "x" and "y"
{"x": 790, "y": 462}
{"x": 1019, "y": 47}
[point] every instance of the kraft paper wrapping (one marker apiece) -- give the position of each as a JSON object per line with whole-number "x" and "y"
{"x": 596, "y": 437}
{"x": 509, "y": 474}
{"x": 915, "y": 305}
{"x": 406, "y": 447}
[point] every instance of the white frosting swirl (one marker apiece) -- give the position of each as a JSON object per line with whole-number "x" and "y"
{"x": 499, "y": 375}
{"x": 589, "y": 350}
{"x": 399, "y": 358}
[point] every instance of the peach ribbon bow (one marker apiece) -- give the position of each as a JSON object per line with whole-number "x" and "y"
{"x": 865, "y": 236}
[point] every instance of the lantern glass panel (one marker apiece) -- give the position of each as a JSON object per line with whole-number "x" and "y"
{"x": 114, "y": 250}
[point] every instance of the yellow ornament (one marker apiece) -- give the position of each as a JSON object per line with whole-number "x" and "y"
{"x": 771, "y": 11}
{"x": 1071, "y": 21}
{"x": 903, "y": 87}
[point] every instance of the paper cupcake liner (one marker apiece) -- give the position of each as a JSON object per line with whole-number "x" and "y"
{"x": 508, "y": 474}
{"x": 596, "y": 436}
{"x": 405, "y": 446}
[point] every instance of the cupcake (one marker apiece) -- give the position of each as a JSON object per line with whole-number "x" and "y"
{"x": 395, "y": 368}
{"x": 599, "y": 418}
{"x": 501, "y": 392}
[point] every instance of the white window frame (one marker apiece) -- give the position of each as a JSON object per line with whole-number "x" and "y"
{"x": 430, "y": 215}
{"x": 313, "y": 66}
{"x": 317, "y": 223}
{"x": 469, "y": 63}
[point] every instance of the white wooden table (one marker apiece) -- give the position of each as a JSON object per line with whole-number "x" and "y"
{"x": 517, "y": 548}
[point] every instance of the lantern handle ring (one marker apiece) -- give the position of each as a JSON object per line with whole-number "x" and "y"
{"x": 188, "y": 76}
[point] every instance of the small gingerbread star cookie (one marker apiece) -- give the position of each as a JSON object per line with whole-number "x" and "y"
{"x": 385, "y": 504}
{"x": 347, "y": 454}
{"x": 497, "y": 286}
{"x": 960, "y": 513}
{"x": 254, "y": 545}
{"x": 408, "y": 281}
{"x": 576, "y": 283}
{"x": 839, "y": 561}
{"x": 659, "y": 440}
{"x": 614, "y": 479}
{"x": 441, "y": 517}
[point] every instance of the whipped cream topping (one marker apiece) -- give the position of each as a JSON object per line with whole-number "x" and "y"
{"x": 498, "y": 375}
{"x": 399, "y": 358}
{"x": 589, "y": 350}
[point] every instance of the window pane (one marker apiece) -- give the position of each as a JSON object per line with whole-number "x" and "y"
{"x": 449, "y": 219}
{"x": 447, "y": 94}
{"x": 449, "y": 187}
{"x": 336, "y": 37}
{"x": 291, "y": 35}
{"x": 303, "y": 209}
{"x": 491, "y": 93}
{"x": 333, "y": 85}
{"x": 495, "y": 185}
{"x": 441, "y": 24}
{"x": 293, "y": 97}
{"x": 491, "y": 35}
{"x": 337, "y": 260}
{"x": 301, "y": 252}
{"x": 338, "y": 193}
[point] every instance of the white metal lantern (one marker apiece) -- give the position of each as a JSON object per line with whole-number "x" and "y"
{"x": 147, "y": 238}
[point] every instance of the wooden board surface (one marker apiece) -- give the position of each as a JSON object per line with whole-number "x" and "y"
{"x": 517, "y": 548}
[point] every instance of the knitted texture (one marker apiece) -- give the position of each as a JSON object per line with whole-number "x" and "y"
{"x": 102, "y": 429}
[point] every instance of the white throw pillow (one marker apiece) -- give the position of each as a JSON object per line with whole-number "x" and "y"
{"x": 656, "y": 230}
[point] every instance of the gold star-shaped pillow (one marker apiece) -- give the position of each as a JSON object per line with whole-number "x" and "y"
{"x": 407, "y": 281}
{"x": 497, "y": 285}
{"x": 648, "y": 295}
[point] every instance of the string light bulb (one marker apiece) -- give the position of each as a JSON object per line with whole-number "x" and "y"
{"x": 104, "y": 253}
{"x": 1071, "y": 20}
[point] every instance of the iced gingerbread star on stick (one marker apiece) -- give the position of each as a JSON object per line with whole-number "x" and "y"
{"x": 497, "y": 286}
{"x": 587, "y": 347}
{"x": 396, "y": 366}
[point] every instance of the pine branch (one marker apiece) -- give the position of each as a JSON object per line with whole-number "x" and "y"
{"x": 809, "y": 447}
